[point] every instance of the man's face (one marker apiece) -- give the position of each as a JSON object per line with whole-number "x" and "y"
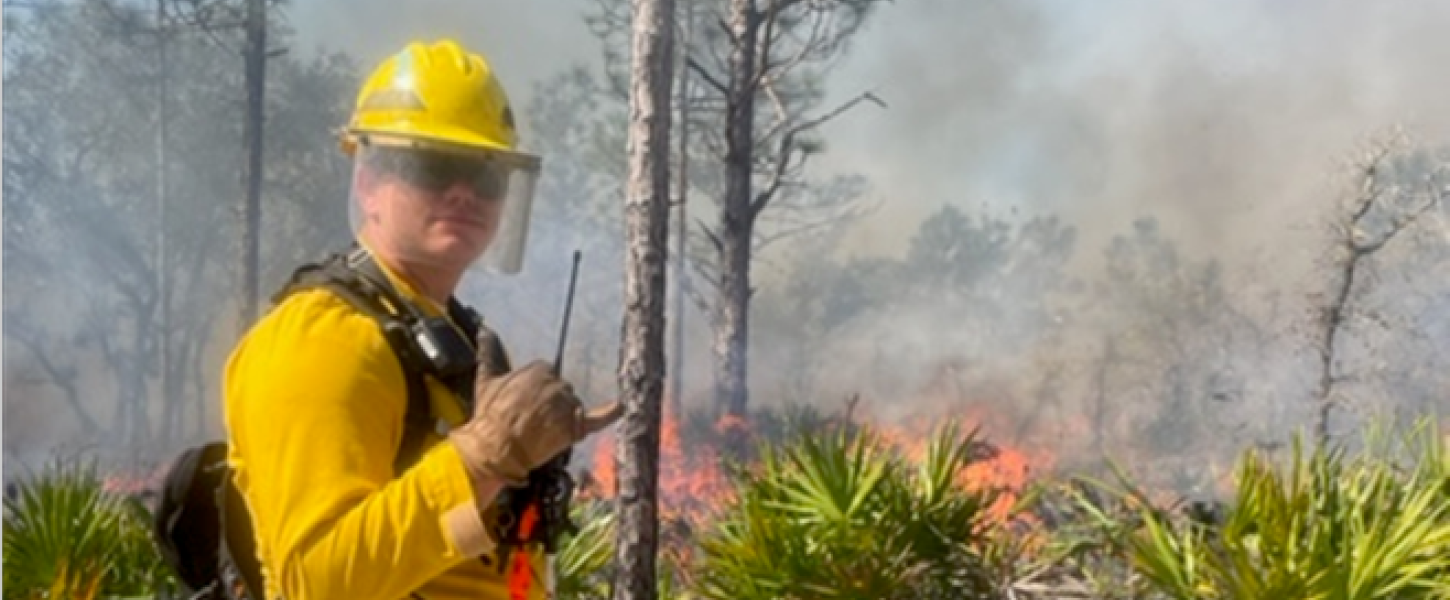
{"x": 433, "y": 207}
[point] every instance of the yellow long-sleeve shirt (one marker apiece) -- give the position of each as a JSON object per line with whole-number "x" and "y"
{"x": 315, "y": 401}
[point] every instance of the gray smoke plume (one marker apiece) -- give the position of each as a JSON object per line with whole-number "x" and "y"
{"x": 1227, "y": 123}
{"x": 1224, "y": 121}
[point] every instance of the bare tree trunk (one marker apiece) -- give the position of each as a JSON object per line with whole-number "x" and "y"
{"x": 188, "y": 378}
{"x": 682, "y": 223}
{"x": 737, "y": 223}
{"x": 187, "y": 365}
{"x": 1332, "y": 320}
{"x": 642, "y": 361}
{"x": 170, "y": 415}
{"x": 127, "y": 358}
{"x": 1098, "y": 415}
{"x": 198, "y": 380}
{"x": 134, "y": 376}
{"x": 256, "y": 77}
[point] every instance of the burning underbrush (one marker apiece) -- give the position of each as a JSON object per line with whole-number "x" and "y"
{"x": 796, "y": 503}
{"x": 834, "y": 506}
{"x": 925, "y": 493}
{"x": 698, "y": 457}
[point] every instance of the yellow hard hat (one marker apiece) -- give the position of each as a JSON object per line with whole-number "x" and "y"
{"x": 433, "y": 95}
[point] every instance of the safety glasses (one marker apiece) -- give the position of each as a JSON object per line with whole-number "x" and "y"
{"x": 434, "y": 171}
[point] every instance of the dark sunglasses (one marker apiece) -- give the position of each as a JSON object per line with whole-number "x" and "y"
{"x": 435, "y": 172}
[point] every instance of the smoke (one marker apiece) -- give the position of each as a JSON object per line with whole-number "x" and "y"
{"x": 1222, "y": 119}
{"x": 526, "y": 42}
{"x": 1225, "y": 122}
{"x": 1229, "y": 123}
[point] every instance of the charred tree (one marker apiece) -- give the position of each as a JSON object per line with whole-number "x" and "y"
{"x": 755, "y": 68}
{"x": 1378, "y": 213}
{"x": 256, "y": 78}
{"x": 682, "y": 222}
{"x": 737, "y": 221}
{"x": 769, "y": 44}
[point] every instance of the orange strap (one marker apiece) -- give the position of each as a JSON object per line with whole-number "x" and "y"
{"x": 521, "y": 573}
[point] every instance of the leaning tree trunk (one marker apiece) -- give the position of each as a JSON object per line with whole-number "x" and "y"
{"x": 732, "y": 309}
{"x": 642, "y": 363}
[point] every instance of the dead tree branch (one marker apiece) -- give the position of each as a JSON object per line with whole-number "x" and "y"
{"x": 1355, "y": 243}
{"x": 704, "y": 73}
{"x": 787, "y": 147}
{"x": 62, "y": 376}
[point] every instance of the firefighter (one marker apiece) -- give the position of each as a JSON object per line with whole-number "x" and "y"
{"x": 315, "y": 398}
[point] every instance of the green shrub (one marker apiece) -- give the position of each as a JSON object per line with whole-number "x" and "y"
{"x": 1324, "y": 526}
{"x": 838, "y": 514}
{"x": 66, "y": 537}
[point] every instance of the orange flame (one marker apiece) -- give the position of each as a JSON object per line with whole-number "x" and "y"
{"x": 690, "y": 484}
{"x": 693, "y": 484}
{"x": 1003, "y": 469}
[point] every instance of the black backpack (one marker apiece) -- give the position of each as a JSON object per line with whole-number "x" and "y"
{"x": 201, "y": 525}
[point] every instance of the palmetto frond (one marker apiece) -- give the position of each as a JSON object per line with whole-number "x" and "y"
{"x": 66, "y": 537}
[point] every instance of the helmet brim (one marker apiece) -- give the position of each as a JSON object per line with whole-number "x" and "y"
{"x": 442, "y": 138}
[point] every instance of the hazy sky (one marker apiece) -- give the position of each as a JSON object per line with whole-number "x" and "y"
{"x": 1222, "y": 118}
{"x": 526, "y": 40}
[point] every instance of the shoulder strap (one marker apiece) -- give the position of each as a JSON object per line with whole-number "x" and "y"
{"x": 470, "y": 322}
{"x": 358, "y": 281}
{"x": 239, "y": 571}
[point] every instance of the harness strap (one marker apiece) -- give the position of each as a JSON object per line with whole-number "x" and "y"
{"x": 239, "y": 571}
{"x": 357, "y": 279}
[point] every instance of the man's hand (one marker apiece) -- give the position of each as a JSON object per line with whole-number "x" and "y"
{"x": 522, "y": 418}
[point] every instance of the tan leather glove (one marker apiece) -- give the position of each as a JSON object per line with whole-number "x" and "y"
{"x": 521, "y": 418}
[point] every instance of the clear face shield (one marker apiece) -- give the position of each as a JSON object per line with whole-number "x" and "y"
{"x": 436, "y": 205}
